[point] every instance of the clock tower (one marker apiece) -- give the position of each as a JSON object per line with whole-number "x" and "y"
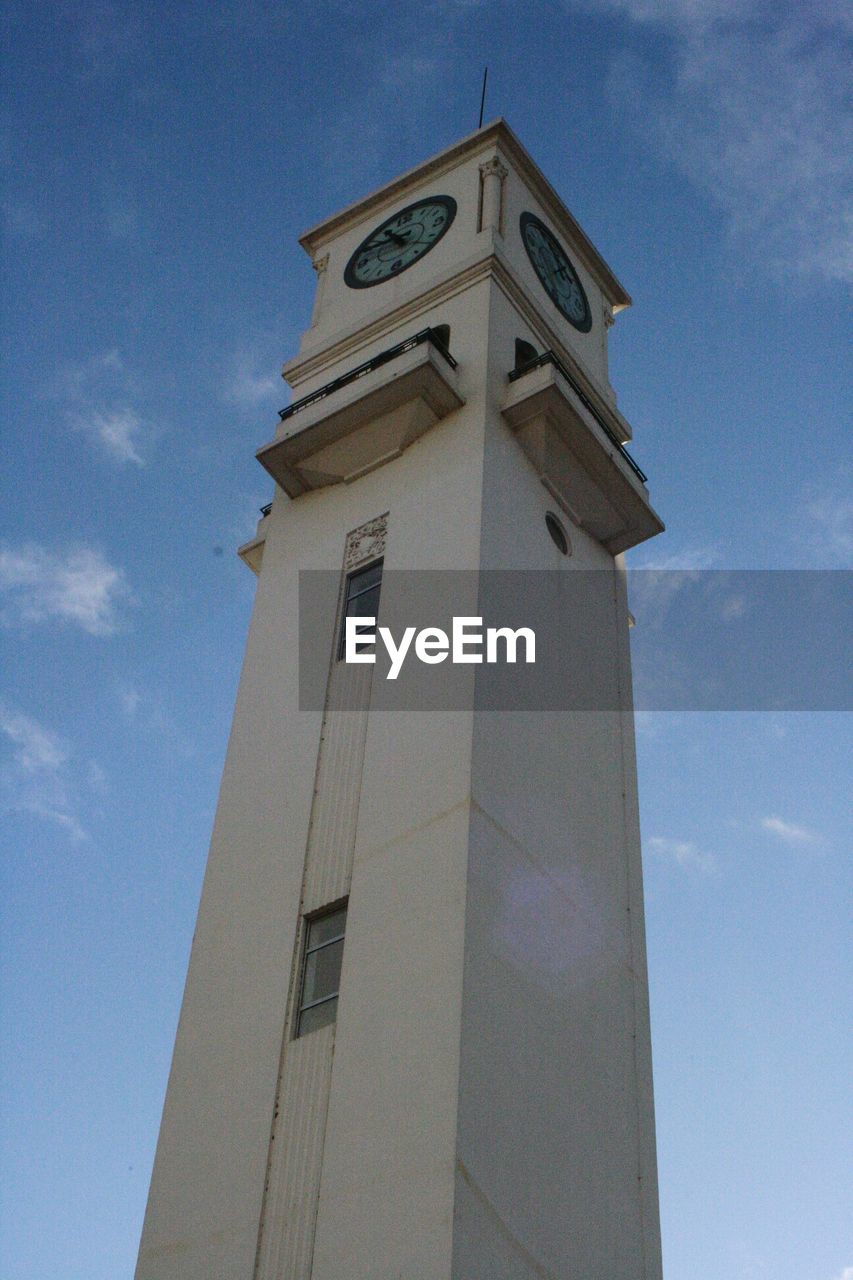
{"x": 414, "y": 1042}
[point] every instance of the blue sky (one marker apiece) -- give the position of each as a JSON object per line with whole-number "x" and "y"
{"x": 159, "y": 162}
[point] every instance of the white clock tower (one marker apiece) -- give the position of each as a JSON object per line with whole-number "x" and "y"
{"x": 414, "y": 1043}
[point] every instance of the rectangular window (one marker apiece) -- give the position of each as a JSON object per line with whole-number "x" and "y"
{"x": 361, "y": 601}
{"x": 321, "y": 970}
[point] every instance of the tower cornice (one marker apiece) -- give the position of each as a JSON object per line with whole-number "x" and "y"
{"x": 493, "y": 138}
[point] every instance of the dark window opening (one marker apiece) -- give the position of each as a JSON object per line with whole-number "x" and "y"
{"x": 442, "y": 333}
{"x": 321, "y": 970}
{"x": 362, "y": 601}
{"x": 558, "y": 534}
{"x": 524, "y": 353}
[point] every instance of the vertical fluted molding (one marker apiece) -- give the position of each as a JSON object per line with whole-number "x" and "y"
{"x": 295, "y": 1161}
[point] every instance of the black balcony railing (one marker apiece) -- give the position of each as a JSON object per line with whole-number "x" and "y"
{"x": 549, "y": 357}
{"x": 425, "y": 335}
{"x": 266, "y": 509}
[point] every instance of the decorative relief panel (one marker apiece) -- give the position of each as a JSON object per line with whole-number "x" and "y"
{"x": 366, "y": 543}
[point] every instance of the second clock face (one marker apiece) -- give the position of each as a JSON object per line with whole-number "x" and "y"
{"x": 559, "y": 278}
{"x": 400, "y": 241}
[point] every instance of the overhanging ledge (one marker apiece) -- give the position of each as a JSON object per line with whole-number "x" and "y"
{"x": 370, "y": 419}
{"x": 587, "y": 472}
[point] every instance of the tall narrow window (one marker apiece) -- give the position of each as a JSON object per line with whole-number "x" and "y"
{"x": 362, "y": 600}
{"x": 321, "y": 970}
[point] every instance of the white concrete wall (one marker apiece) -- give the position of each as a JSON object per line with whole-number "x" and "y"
{"x": 556, "y": 1156}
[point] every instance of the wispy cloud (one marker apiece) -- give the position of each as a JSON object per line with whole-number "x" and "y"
{"x": 252, "y": 381}
{"x": 846, "y": 1273}
{"x": 732, "y": 608}
{"x": 96, "y": 778}
{"x": 148, "y": 713}
{"x": 97, "y": 395}
{"x": 686, "y": 558}
{"x": 78, "y": 586}
{"x": 78, "y": 378}
{"x": 756, "y": 115}
{"x": 682, "y": 853}
{"x": 34, "y": 746}
{"x": 34, "y": 778}
{"x": 647, "y": 724}
{"x": 655, "y": 580}
{"x": 118, "y": 432}
{"x": 790, "y": 832}
{"x": 129, "y": 700}
{"x": 825, "y": 528}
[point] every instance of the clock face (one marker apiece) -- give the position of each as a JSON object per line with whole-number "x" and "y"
{"x": 557, "y": 274}
{"x": 400, "y": 241}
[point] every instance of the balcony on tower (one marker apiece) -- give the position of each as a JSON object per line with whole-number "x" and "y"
{"x": 365, "y": 417}
{"x": 575, "y": 442}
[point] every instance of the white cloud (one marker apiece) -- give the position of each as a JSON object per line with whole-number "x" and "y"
{"x": 77, "y": 378}
{"x": 678, "y": 13}
{"x": 78, "y": 586}
{"x": 655, "y": 580}
{"x": 118, "y": 431}
{"x": 97, "y": 395}
{"x": 251, "y": 383}
{"x": 732, "y": 608}
{"x": 647, "y": 724}
{"x": 845, "y": 1274}
{"x": 826, "y": 524}
{"x": 756, "y": 115}
{"x": 150, "y": 714}
{"x": 682, "y": 853}
{"x": 129, "y": 698}
{"x": 96, "y": 778}
{"x": 789, "y": 831}
{"x": 34, "y": 746}
{"x": 688, "y": 558}
{"x": 35, "y": 779}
